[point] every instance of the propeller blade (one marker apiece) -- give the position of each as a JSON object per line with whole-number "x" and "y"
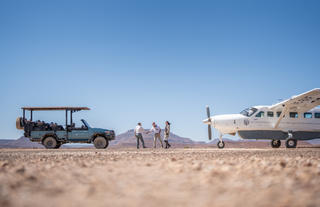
{"x": 209, "y": 125}
{"x": 208, "y": 111}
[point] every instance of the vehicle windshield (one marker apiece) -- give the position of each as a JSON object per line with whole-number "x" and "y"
{"x": 85, "y": 123}
{"x": 249, "y": 111}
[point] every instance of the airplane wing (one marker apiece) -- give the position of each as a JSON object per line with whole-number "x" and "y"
{"x": 300, "y": 103}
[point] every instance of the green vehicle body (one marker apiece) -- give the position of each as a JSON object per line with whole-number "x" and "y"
{"x": 81, "y": 135}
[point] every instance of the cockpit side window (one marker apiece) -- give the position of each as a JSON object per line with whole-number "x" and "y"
{"x": 260, "y": 114}
{"x": 249, "y": 111}
{"x": 252, "y": 111}
{"x": 279, "y": 113}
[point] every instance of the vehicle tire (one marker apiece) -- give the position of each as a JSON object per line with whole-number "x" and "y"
{"x": 291, "y": 143}
{"x": 275, "y": 143}
{"x": 58, "y": 145}
{"x": 100, "y": 142}
{"x": 50, "y": 143}
{"x": 220, "y": 144}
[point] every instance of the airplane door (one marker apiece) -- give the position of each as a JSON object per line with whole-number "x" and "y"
{"x": 259, "y": 120}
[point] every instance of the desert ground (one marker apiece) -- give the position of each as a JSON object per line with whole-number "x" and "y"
{"x": 148, "y": 177}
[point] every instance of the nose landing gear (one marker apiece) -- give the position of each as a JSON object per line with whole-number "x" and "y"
{"x": 220, "y": 144}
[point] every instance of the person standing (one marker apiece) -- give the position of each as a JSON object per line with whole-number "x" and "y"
{"x": 156, "y": 130}
{"x": 138, "y": 134}
{"x": 166, "y": 134}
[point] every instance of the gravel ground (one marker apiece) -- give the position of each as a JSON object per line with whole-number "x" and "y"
{"x": 177, "y": 177}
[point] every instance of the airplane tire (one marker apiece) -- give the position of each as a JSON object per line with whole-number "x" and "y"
{"x": 275, "y": 143}
{"x": 100, "y": 142}
{"x": 291, "y": 143}
{"x": 50, "y": 143}
{"x": 220, "y": 144}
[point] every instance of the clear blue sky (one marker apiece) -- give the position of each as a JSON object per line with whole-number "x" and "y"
{"x": 150, "y": 61}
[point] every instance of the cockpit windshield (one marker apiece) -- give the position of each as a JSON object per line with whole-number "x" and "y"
{"x": 249, "y": 111}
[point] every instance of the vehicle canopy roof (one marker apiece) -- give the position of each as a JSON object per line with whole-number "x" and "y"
{"x": 55, "y": 108}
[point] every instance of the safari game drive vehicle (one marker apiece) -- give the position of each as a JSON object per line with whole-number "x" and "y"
{"x": 52, "y": 135}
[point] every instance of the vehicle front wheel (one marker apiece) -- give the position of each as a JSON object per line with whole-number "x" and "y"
{"x": 291, "y": 143}
{"x": 275, "y": 143}
{"x": 100, "y": 142}
{"x": 50, "y": 143}
{"x": 220, "y": 144}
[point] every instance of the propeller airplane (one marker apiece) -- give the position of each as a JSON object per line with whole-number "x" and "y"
{"x": 297, "y": 118}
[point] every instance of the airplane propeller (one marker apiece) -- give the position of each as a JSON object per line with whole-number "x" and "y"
{"x": 209, "y": 125}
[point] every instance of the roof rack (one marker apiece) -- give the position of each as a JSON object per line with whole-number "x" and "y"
{"x": 59, "y": 108}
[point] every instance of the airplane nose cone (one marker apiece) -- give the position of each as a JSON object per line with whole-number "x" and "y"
{"x": 207, "y": 121}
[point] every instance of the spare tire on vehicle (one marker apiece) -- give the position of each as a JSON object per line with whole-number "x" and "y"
{"x": 19, "y": 123}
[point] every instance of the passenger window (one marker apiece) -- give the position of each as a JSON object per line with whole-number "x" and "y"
{"x": 307, "y": 115}
{"x": 317, "y": 115}
{"x": 270, "y": 114}
{"x": 260, "y": 114}
{"x": 293, "y": 115}
{"x": 279, "y": 113}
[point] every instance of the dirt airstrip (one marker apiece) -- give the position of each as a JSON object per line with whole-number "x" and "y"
{"x": 177, "y": 177}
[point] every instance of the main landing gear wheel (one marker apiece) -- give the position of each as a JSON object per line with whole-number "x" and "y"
{"x": 291, "y": 143}
{"x": 100, "y": 143}
{"x": 275, "y": 143}
{"x": 50, "y": 143}
{"x": 220, "y": 144}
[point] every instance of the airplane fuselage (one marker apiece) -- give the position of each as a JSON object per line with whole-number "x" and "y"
{"x": 260, "y": 123}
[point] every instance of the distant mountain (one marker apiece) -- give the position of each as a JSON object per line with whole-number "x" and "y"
{"x": 25, "y": 143}
{"x": 22, "y": 142}
{"x": 128, "y": 139}
{"x": 314, "y": 141}
{"x": 252, "y": 143}
{"x": 241, "y": 143}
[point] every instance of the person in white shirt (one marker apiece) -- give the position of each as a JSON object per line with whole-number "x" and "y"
{"x": 138, "y": 134}
{"x": 156, "y": 130}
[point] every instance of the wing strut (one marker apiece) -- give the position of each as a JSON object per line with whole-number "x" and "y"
{"x": 283, "y": 112}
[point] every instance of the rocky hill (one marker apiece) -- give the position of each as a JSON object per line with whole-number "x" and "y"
{"x": 22, "y": 142}
{"x": 128, "y": 139}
